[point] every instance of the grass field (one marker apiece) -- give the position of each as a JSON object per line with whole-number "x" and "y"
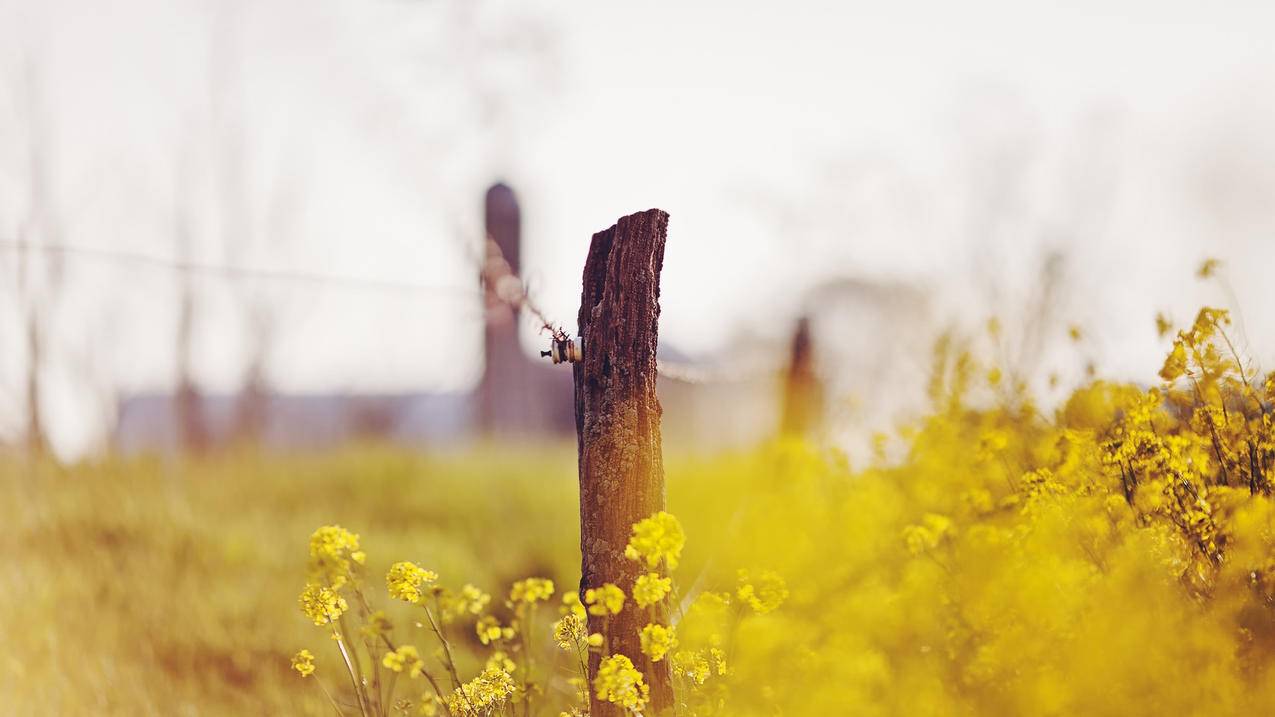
{"x": 1115, "y": 556}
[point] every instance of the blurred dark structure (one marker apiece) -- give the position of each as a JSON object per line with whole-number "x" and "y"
{"x": 802, "y": 411}
{"x": 518, "y": 396}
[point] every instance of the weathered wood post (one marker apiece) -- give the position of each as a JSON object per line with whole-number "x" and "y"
{"x": 618, "y": 427}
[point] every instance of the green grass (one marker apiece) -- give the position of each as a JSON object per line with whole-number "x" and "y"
{"x": 149, "y": 586}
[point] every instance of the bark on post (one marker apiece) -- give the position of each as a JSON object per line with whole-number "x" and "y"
{"x": 618, "y": 427}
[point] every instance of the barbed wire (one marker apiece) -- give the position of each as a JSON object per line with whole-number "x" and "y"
{"x": 494, "y": 270}
{"x": 235, "y": 272}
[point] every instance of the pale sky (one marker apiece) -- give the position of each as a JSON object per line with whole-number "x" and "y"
{"x": 946, "y": 145}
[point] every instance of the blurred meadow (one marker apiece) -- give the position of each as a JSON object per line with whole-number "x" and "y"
{"x": 961, "y": 336}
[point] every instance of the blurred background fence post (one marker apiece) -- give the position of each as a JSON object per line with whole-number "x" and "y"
{"x": 618, "y": 427}
{"x": 803, "y": 391}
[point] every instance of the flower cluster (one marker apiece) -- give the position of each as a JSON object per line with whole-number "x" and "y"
{"x": 405, "y": 581}
{"x": 619, "y": 683}
{"x": 655, "y": 539}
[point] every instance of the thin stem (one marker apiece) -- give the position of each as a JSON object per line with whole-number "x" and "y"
{"x": 328, "y": 695}
{"x": 349, "y": 668}
{"x": 450, "y": 661}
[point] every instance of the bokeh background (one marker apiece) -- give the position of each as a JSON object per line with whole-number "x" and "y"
{"x": 923, "y": 160}
{"x": 241, "y": 250}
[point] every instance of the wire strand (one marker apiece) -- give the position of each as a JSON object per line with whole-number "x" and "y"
{"x": 236, "y": 272}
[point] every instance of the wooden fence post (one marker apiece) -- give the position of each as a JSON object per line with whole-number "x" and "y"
{"x": 618, "y": 427}
{"x": 803, "y": 392}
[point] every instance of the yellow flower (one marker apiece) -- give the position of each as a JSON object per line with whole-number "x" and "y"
{"x": 405, "y": 658}
{"x": 1208, "y": 268}
{"x": 321, "y": 604}
{"x": 500, "y": 661}
{"x": 531, "y": 590}
{"x": 470, "y": 601}
{"x": 332, "y": 550}
{"x": 596, "y": 639}
{"x": 489, "y": 630}
{"x": 692, "y": 665}
{"x": 656, "y": 538}
{"x": 569, "y": 631}
{"x": 619, "y": 683}
{"x": 657, "y": 640}
{"x": 606, "y": 600}
{"x": 650, "y": 588}
{"x": 765, "y": 594}
{"x": 303, "y": 662}
{"x": 719, "y": 659}
{"x": 571, "y": 605}
{"x": 429, "y": 705}
{"x": 1175, "y": 363}
{"x": 377, "y": 625}
{"x": 405, "y": 580}
{"x": 483, "y": 695}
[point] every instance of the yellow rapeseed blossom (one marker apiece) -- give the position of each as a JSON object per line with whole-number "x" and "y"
{"x": 657, "y": 640}
{"x": 405, "y": 581}
{"x": 321, "y": 604}
{"x": 333, "y": 553}
{"x": 692, "y": 665}
{"x": 571, "y": 604}
{"x": 499, "y": 660}
{"x": 531, "y": 590}
{"x": 377, "y": 625}
{"x": 469, "y": 601}
{"x": 569, "y": 631}
{"x": 595, "y": 639}
{"x": 405, "y": 659}
{"x": 619, "y": 683}
{"x": 650, "y": 588}
{"x": 484, "y": 695}
{"x": 765, "y": 593}
{"x": 489, "y": 630}
{"x": 657, "y": 538}
{"x": 606, "y": 600}
{"x": 303, "y": 662}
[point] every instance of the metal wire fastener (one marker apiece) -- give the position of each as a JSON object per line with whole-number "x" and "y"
{"x": 563, "y": 349}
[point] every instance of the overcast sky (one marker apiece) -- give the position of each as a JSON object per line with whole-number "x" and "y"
{"x": 946, "y": 145}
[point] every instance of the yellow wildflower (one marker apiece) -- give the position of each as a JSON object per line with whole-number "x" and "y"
{"x": 405, "y": 658}
{"x": 469, "y": 601}
{"x": 569, "y": 631}
{"x": 483, "y": 695}
{"x": 619, "y": 683}
{"x": 377, "y": 625}
{"x": 571, "y": 604}
{"x": 333, "y": 550}
{"x": 606, "y": 600}
{"x": 531, "y": 590}
{"x": 321, "y": 604}
{"x": 657, "y": 640}
{"x": 500, "y": 661}
{"x": 692, "y": 665}
{"x": 596, "y": 639}
{"x": 489, "y": 630}
{"x": 405, "y": 580}
{"x": 656, "y": 538}
{"x": 1208, "y": 268}
{"x": 303, "y": 662}
{"x": 650, "y": 588}
{"x": 765, "y": 594}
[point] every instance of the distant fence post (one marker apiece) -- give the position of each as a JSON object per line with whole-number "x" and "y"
{"x": 803, "y": 392}
{"x": 618, "y": 427}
